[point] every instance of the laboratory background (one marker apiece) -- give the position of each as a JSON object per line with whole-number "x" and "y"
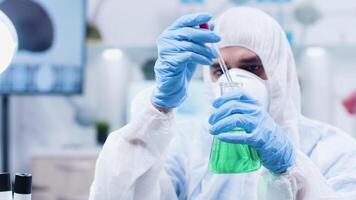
{"x": 80, "y": 63}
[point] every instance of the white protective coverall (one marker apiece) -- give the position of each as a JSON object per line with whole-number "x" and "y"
{"x": 153, "y": 157}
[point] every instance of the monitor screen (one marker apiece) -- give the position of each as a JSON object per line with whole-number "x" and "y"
{"x": 50, "y": 57}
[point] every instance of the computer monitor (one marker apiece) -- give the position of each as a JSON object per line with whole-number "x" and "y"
{"x": 51, "y": 52}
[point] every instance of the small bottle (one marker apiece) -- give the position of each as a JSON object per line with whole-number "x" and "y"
{"x": 5, "y": 187}
{"x": 22, "y": 187}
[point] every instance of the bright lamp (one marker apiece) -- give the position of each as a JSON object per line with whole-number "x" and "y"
{"x": 8, "y": 41}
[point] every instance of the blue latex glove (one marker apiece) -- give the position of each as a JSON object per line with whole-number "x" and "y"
{"x": 237, "y": 109}
{"x": 180, "y": 48}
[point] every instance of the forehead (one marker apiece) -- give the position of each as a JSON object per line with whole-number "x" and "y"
{"x": 240, "y": 52}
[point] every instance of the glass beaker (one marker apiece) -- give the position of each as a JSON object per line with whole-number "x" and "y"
{"x": 226, "y": 158}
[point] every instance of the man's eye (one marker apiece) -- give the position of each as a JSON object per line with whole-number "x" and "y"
{"x": 218, "y": 73}
{"x": 256, "y": 69}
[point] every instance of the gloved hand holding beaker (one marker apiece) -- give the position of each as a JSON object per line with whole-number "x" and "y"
{"x": 238, "y": 110}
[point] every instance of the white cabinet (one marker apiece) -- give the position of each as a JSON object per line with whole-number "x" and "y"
{"x": 63, "y": 175}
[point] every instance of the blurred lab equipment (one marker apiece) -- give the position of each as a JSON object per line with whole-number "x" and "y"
{"x": 5, "y": 187}
{"x": 239, "y": 2}
{"x": 23, "y": 187}
{"x": 307, "y": 13}
{"x": 50, "y": 58}
{"x": 350, "y": 103}
{"x": 31, "y": 20}
{"x": 102, "y": 131}
{"x": 148, "y": 69}
{"x": 84, "y": 115}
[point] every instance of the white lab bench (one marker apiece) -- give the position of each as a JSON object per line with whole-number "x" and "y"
{"x": 63, "y": 174}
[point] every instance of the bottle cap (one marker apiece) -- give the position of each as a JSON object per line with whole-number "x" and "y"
{"x": 5, "y": 183}
{"x": 23, "y": 184}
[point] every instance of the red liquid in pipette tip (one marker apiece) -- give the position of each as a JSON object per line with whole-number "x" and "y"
{"x": 204, "y": 26}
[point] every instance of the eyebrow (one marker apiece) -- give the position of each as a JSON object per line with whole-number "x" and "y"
{"x": 248, "y": 60}
{"x": 215, "y": 65}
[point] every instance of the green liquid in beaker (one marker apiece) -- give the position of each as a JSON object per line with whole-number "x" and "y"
{"x": 228, "y": 158}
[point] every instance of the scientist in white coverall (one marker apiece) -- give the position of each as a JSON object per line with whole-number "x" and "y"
{"x": 153, "y": 157}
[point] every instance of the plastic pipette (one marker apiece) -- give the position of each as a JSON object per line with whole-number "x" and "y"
{"x": 220, "y": 58}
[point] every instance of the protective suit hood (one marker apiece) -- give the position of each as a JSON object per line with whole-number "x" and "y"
{"x": 255, "y": 30}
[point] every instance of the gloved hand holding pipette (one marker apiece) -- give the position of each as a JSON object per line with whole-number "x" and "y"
{"x": 180, "y": 48}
